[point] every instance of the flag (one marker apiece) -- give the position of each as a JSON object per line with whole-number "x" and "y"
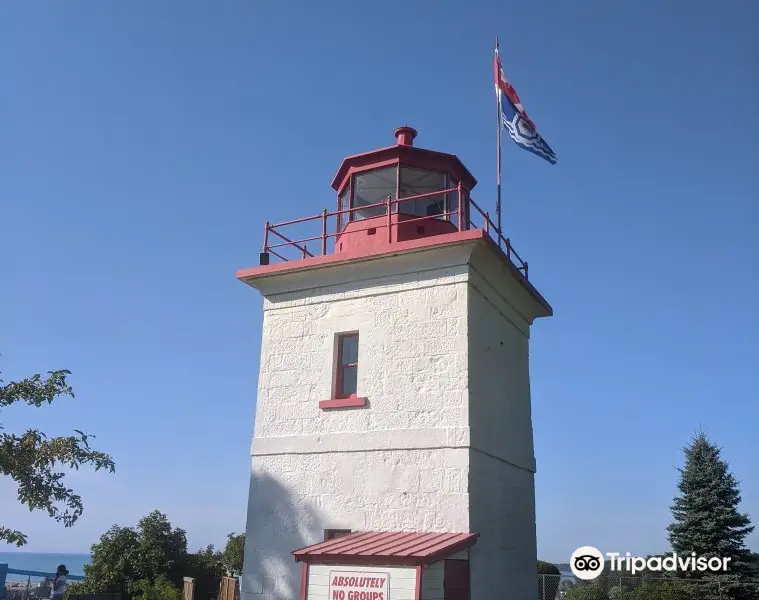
{"x": 514, "y": 117}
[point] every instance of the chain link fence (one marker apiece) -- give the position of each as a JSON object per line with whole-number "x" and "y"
{"x": 613, "y": 587}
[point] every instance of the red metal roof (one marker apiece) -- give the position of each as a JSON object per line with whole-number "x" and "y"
{"x": 410, "y": 156}
{"x": 387, "y": 548}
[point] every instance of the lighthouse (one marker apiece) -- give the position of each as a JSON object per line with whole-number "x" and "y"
{"x": 392, "y": 455}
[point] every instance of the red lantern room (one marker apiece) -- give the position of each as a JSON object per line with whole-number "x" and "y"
{"x": 391, "y": 199}
{"x": 399, "y": 193}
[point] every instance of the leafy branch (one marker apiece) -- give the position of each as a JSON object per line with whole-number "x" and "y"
{"x": 35, "y": 390}
{"x": 33, "y": 460}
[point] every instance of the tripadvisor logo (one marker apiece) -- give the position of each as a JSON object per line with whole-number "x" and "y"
{"x": 588, "y": 563}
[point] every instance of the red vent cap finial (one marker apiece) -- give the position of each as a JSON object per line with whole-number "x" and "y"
{"x": 405, "y": 135}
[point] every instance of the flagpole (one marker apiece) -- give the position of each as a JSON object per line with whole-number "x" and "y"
{"x": 498, "y": 197}
{"x": 498, "y": 155}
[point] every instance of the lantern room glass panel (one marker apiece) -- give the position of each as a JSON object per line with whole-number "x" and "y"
{"x": 372, "y": 187}
{"x": 452, "y": 201}
{"x": 416, "y": 182}
{"x": 343, "y": 204}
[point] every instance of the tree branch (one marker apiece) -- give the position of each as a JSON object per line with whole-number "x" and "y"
{"x": 33, "y": 460}
{"x": 12, "y": 536}
{"x": 35, "y": 390}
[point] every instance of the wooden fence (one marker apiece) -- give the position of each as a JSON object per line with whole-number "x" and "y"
{"x": 229, "y": 589}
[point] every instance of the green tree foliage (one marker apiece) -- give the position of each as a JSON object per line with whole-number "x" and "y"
{"x": 144, "y": 560}
{"x": 611, "y": 587}
{"x": 706, "y": 521}
{"x": 659, "y": 589}
{"x": 566, "y": 585}
{"x": 549, "y": 578}
{"x": 234, "y": 553}
{"x": 34, "y": 461}
{"x": 113, "y": 566}
{"x": 160, "y": 589}
{"x": 603, "y": 587}
{"x": 124, "y": 555}
{"x": 162, "y": 550}
{"x": 585, "y": 591}
{"x": 754, "y": 565}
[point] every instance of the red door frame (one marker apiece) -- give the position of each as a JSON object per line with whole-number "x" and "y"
{"x": 456, "y": 582}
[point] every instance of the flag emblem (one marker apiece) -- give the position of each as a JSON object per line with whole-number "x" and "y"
{"x": 514, "y": 117}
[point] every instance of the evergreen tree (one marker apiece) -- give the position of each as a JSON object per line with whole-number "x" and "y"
{"x": 707, "y": 522}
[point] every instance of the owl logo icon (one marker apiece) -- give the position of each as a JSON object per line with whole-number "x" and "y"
{"x": 586, "y": 563}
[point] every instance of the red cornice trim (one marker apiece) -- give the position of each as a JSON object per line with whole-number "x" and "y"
{"x": 389, "y": 250}
{"x": 343, "y": 257}
{"x": 351, "y": 402}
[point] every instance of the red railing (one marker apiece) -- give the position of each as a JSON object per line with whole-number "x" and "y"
{"x": 462, "y": 217}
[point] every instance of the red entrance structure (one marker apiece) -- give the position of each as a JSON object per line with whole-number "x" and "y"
{"x": 441, "y": 556}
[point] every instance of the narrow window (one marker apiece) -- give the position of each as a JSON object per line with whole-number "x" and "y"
{"x": 347, "y": 365}
{"x": 331, "y": 534}
{"x": 343, "y": 204}
{"x": 452, "y": 203}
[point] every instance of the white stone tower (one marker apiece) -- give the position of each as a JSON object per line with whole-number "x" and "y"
{"x": 394, "y": 387}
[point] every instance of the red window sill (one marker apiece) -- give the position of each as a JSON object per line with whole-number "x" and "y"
{"x": 351, "y": 402}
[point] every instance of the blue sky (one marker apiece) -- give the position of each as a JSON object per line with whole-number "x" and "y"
{"x": 143, "y": 145}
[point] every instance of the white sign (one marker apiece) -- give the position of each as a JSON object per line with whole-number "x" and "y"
{"x": 358, "y": 585}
